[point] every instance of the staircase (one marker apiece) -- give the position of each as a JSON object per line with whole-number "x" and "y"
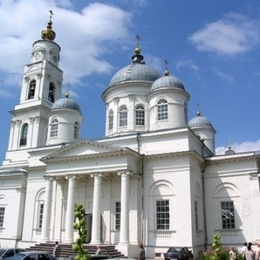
{"x": 67, "y": 252}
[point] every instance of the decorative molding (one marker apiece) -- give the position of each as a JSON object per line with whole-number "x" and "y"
{"x": 39, "y": 75}
{"x": 26, "y": 79}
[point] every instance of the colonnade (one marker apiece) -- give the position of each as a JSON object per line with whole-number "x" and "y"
{"x": 96, "y": 211}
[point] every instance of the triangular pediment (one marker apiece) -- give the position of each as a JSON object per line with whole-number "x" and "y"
{"x": 83, "y": 148}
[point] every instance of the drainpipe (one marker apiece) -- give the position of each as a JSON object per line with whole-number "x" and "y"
{"x": 204, "y": 206}
{"x": 204, "y": 198}
{"x": 142, "y": 186}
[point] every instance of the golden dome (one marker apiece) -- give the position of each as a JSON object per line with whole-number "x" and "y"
{"x": 48, "y": 33}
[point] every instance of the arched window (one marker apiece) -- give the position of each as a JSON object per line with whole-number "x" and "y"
{"x": 226, "y": 206}
{"x": 54, "y": 128}
{"x": 110, "y": 119}
{"x": 76, "y": 130}
{"x": 51, "y": 95}
{"x": 162, "y": 109}
{"x": 3, "y": 205}
{"x": 39, "y": 203}
{"x": 32, "y": 87}
{"x": 24, "y": 132}
{"x": 139, "y": 115}
{"x": 123, "y": 116}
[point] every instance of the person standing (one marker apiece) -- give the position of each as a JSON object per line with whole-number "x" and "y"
{"x": 257, "y": 253}
{"x": 249, "y": 254}
{"x": 232, "y": 254}
{"x": 243, "y": 250}
{"x": 56, "y": 250}
{"x": 141, "y": 253}
{"x": 99, "y": 250}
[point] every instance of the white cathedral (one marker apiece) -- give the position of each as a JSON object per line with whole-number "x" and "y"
{"x": 153, "y": 179}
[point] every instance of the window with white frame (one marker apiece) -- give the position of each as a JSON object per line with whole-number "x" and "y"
{"x": 51, "y": 95}
{"x": 228, "y": 215}
{"x": 118, "y": 215}
{"x": 24, "y": 133}
{"x": 123, "y": 116}
{"x": 110, "y": 119}
{"x": 76, "y": 130}
{"x": 54, "y": 128}
{"x": 162, "y": 109}
{"x": 139, "y": 115}
{"x": 40, "y": 215}
{"x": 163, "y": 214}
{"x": 2, "y": 216}
{"x": 32, "y": 87}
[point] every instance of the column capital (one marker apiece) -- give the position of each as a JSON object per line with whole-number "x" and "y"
{"x": 48, "y": 178}
{"x": 96, "y": 174}
{"x": 125, "y": 172}
{"x": 71, "y": 176}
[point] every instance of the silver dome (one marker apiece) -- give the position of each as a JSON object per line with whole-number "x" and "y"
{"x": 167, "y": 82}
{"x": 66, "y": 103}
{"x": 135, "y": 71}
{"x": 199, "y": 121}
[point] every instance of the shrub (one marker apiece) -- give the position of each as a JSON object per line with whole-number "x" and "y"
{"x": 217, "y": 252}
{"x": 80, "y": 226}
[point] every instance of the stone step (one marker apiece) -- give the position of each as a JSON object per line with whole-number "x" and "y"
{"x": 67, "y": 251}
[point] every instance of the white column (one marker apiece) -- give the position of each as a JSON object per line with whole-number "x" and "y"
{"x": 69, "y": 230}
{"x": 255, "y": 190}
{"x": 124, "y": 225}
{"x": 47, "y": 210}
{"x": 95, "y": 232}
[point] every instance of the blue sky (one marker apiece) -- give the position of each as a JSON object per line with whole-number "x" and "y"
{"x": 212, "y": 46}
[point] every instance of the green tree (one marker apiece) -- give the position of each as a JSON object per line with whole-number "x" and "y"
{"x": 80, "y": 226}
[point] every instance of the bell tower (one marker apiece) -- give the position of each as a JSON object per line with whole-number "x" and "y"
{"x": 41, "y": 87}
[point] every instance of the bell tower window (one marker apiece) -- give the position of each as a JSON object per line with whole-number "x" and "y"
{"x": 24, "y": 132}
{"x": 162, "y": 109}
{"x": 51, "y": 95}
{"x": 32, "y": 89}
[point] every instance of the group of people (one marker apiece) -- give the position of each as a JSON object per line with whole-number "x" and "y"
{"x": 247, "y": 252}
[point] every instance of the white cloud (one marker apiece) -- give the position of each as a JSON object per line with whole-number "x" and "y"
{"x": 239, "y": 148}
{"x": 225, "y": 76}
{"x": 85, "y": 37}
{"x": 234, "y": 34}
{"x": 187, "y": 64}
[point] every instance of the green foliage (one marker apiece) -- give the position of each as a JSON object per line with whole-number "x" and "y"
{"x": 80, "y": 226}
{"x": 218, "y": 252}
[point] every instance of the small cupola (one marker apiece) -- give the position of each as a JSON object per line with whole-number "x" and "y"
{"x": 203, "y": 128}
{"x": 65, "y": 121}
{"x": 168, "y": 102}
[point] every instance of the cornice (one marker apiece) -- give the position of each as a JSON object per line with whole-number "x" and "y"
{"x": 58, "y": 159}
{"x": 125, "y": 84}
{"x": 192, "y": 153}
{"x": 18, "y": 111}
{"x": 232, "y": 158}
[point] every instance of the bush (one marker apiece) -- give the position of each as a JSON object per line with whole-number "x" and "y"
{"x": 218, "y": 252}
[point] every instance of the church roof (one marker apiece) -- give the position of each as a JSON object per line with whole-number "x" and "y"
{"x": 48, "y": 33}
{"x": 200, "y": 121}
{"x": 66, "y": 103}
{"x": 167, "y": 81}
{"x": 135, "y": 71}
